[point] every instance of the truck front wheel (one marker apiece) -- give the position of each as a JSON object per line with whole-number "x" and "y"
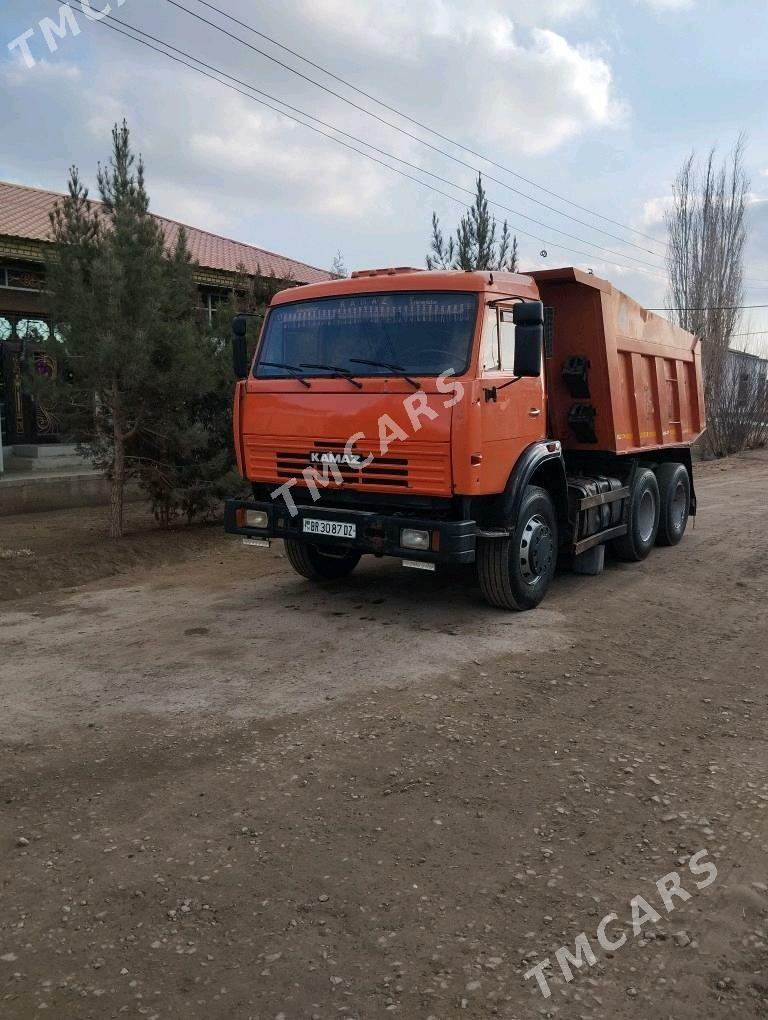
{"x": 675, "y": 491}
{"x": 317, "y": 565}
{"x": 643, "y": 520}
{"x": 515, "y": 572}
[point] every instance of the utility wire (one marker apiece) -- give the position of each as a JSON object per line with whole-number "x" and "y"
{"x": 106, "y": 22}
{"x": 396, "y": 127}
{"x": 178, "y": 60}
{"x": 388, "y": 166}
{"x": 710, "y": 308}
{"x": 437, "y": 134}
{"x": 389, "y": 155}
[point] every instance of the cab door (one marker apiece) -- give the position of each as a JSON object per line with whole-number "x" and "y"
{"x": 513, "y": 411}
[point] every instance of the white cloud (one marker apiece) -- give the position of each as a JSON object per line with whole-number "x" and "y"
{"x": 654, "y": 211}
{"x": 278, "y": 161}
{"x": 399, "y": 28}
{"x": 16, "y": 73}
{"x": 670, "y": 5}
{"x": 474, "y": 71}
{"x": 507, "y": 79}
{"x": 503, "y": 86}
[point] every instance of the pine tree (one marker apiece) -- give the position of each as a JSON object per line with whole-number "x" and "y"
{"x": 475, "y": 245}
{"x": 443, "y": 253}
{"x": 167, "y": 455}
{"x": 187, "y": 467}
{"x": 126, "y": 318}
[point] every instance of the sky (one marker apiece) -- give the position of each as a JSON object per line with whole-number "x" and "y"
{"x": 593, "y": 104}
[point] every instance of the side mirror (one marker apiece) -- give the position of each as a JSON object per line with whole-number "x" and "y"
{"x": 240, "y": 362}
{"x": 528, "y": 317}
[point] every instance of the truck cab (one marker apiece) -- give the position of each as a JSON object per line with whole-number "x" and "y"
{"x": 409, "y": 413}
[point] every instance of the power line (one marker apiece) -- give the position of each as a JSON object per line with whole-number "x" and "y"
{"x": 709, "y": 308}
{"x": 224, "y": 75}
{"x": 408, "y": 134}
{"x": 432, "y": 131}
{"x": 178, "y": 60}
{"x": 437, "y": 134}
{"x": 389, "y": 155}
{"x": 413, "y": 166}
{"x": 218, "y": 71}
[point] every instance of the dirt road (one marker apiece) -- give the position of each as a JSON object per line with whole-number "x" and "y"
{"x": 226, "y": 793}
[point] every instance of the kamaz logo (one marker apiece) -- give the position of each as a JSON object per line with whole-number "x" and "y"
{"x": 353, "y": 460}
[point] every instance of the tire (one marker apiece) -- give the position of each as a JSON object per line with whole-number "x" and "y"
{"x": 515, "y": 572}
{"x": 644, "y": 503}
{"x": 316, "y": 565}
{"x": 675, "y": 492}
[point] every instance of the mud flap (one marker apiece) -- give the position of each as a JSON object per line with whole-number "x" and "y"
{"x": 590, "y": 562}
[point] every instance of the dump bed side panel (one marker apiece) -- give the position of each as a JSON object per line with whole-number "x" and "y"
{"x": 632, "y": 379}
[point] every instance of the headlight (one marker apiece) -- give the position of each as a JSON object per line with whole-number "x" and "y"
{"x": 412, "y": 538}
{"x": 256, "y": 519}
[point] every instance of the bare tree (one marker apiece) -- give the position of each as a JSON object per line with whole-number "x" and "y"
{"x": 707, "y": 235}
{"x": 339, "y": 267}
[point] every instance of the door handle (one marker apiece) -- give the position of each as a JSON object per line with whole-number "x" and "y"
{"x": 535, "y": 412}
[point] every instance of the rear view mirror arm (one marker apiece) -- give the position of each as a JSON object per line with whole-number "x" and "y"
{"x": 492, "y": 391}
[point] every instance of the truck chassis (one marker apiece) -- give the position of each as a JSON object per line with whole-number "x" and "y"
{"x": 556, "y": 508}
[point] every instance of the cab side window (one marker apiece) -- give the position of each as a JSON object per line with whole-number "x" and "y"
{"x": 506, "y": 339}
{"x": 498, "y": 346}
{"x": 490, "y": 355}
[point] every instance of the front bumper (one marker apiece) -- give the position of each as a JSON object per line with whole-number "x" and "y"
{"x": 451, "y": 541}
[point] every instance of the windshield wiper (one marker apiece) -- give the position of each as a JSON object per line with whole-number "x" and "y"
{"x": 295, "y": 372}
{"x": 343, "y": 372}
{"x": 389, "y": 365}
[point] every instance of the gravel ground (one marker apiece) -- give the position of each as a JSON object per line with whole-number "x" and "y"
{"x": 226, "y": 793}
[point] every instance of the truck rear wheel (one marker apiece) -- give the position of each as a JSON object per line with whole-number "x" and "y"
{"x": 318, "y": 565}
{"x": 675, "y": 492}
{"x": 515, "y": 572}
{"x": 644, "y": 503}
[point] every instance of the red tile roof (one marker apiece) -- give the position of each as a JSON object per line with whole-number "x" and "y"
{"x": 24, "y": 214}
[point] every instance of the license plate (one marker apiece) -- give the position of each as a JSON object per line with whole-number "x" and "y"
{"x": 334, "y": 529}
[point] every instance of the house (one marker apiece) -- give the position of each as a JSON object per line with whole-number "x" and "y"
{"x": 25, "y": 426}
{"x": 747, "y": 395}
{"x": 748, "y": 368}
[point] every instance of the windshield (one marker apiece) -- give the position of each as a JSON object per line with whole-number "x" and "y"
{"x": 417, "y": 333}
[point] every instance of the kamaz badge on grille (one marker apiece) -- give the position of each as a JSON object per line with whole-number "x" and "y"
{"x": 345, "y": 459}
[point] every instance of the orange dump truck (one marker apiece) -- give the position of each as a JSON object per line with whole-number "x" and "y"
{"x": 500, "y": 419}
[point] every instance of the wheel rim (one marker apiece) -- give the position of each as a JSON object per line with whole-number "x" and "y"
{"x": 537, "y": 549}
{"x": 646, "y": 516}
{"x": 678, "y": 510}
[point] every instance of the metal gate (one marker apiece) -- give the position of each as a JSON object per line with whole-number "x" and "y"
{"x": 24, "y": 419}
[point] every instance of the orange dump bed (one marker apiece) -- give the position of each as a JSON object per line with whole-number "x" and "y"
{"x": 619, "y": 378}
